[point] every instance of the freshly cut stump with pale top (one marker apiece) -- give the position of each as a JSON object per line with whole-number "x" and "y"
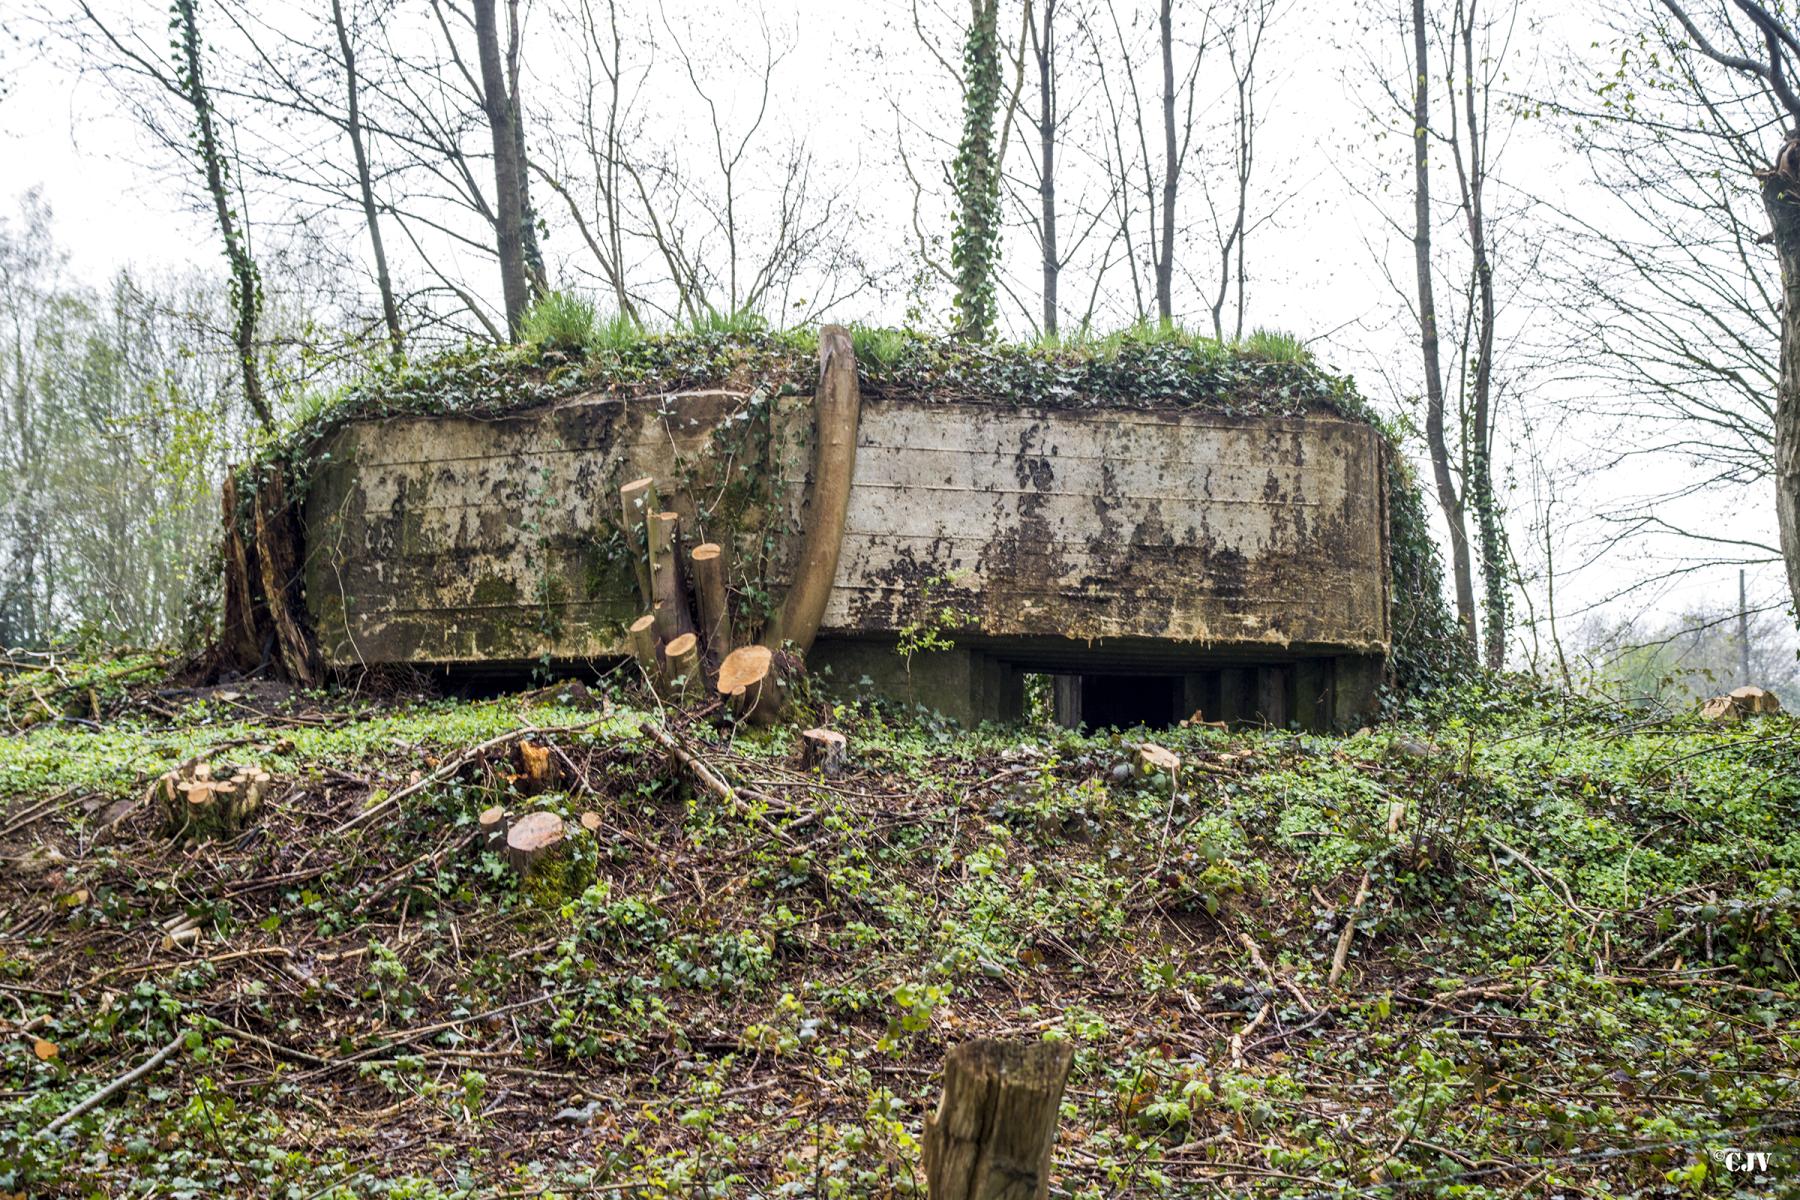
{"x": 747, "y": 681}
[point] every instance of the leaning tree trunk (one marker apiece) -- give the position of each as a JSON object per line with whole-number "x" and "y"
{"x": 837, "y": 413}
{"x": 1781, "y": 195}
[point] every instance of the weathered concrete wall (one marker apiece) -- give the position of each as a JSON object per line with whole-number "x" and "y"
{"x": 453, "y": 539}
{"x": 462, "y": 539}
{"x": 1090, "y": 524}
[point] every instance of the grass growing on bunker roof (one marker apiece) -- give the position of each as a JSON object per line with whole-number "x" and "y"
{"x": 570, "y": 348}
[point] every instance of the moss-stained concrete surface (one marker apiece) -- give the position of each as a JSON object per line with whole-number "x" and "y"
{"x": 449, "y": 539}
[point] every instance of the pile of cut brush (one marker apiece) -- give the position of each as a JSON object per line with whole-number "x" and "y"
{"x": 553, "y": 945}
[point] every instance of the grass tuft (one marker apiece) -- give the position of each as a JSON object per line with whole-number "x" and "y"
{"x": 879, "y": 348}
{"x": 560, "y": 321}
{"x": 740, "y": 324}
{"x": 1272, "y": 345}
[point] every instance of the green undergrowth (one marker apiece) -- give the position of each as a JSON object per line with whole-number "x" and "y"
{"x": 1575, "y": 969}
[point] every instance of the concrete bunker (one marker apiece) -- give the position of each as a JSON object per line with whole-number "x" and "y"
{"x": 1157, "y": 560}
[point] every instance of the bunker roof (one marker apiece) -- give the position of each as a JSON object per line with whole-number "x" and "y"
{"x": 1263, "y": 375}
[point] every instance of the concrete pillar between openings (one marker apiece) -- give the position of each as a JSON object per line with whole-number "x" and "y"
{"x": 1271, "y": 696}
{"x": 1235, "y": 701}
{"x": 1200, "y": 694}
{"x": 1312, "y": 694}
{"x": 1066, "y": 693}
{"x": 1356, "y": 679}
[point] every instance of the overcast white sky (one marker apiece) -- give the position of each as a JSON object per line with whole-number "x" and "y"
{"x": 855, "y": 72}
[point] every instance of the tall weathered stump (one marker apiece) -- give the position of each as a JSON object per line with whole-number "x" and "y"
{"x": 995, "y": 1127}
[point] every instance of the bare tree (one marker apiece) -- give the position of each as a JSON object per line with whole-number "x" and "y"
{"x": 1172, "y": 156}
{"x": 353, "y": 129}
{"x": 125, "y": 56}
{"x": 1454, "y": 297}
{"x": 298, "y": 116}
{"x": 1688, "y": 153}
{"x": 1044, "y": 53}
{"x": 1142, "y": 183}
{"x": 1449, "y": 497}
{"x": 1242, "y": 36}
{"x": 606, "y": 128}
{"x": 713, "y": 221}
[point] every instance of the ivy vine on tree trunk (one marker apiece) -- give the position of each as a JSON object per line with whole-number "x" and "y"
{"x": 246, "y": 280}
{"x": 975, "y": 176}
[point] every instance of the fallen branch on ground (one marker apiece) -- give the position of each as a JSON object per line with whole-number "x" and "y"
{"x": 120, "y": 1084}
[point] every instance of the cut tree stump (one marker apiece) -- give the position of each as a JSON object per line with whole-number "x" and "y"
{"x": 1722, "y": 710}
{"x": 538, "y": 772}
{"x": 536, "y": 842}
{"x": 671, "y": 609}
{"x": 708, "y": 561}
{"x": 1754, "y": 701}
{"x": 826, "y": 750}
{"x": 1152, "y": 758}
{"x": 637, "y": 500}
{"x": 687, "y": 680}
{"x": 643, "y": 648}
{"x": 995, "y": 1126}
{"x": 747, "y": 680}
{"x": 1742, "y": 702}
{"x": 199, "y": 802}
{"x": 493, "y": 826}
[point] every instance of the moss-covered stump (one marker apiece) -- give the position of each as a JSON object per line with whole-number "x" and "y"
{"x": 548, "y": 853}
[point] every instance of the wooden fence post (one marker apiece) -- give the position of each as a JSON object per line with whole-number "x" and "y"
{"x": 995, "y": 1126}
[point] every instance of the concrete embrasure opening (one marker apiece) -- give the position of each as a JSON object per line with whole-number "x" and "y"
{"x": 1266, "y": 694}
{"x": 1127, "y": 701}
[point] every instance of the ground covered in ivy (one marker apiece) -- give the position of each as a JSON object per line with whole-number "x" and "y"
{"x": 1575, "y": 968}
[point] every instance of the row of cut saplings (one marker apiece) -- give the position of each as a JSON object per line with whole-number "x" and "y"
{"x": 670, "y": 648}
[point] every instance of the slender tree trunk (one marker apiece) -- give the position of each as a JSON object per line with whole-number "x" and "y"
{"x": 246, "y": 294}
{"x": 1490, "y": 530}
{"x": 496, "y": 101}
{"x": 1448, "y": 499}
{"x": 390, "y": 311}
{"x": 1045, "y": 49}
{"x": 1781, "y": 196}
{"x": 1165, "y": 263}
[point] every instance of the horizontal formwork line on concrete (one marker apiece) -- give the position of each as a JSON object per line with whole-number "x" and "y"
{"x": 1142, "y": 418}
{"x": 492, "y": 560}
{"x": 526, "y": 456}
{"x": 1080, "y": 546}
{"x": 1201, "y": 501}
{"x": 1012, "y": 454}
{"x": 1017, "y": 598}
{"x": 1198, "y": 501}
{"x": 1041, "y": 546}
{"x": 699, "y": 440}
{"x": 1259, "y": 468}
